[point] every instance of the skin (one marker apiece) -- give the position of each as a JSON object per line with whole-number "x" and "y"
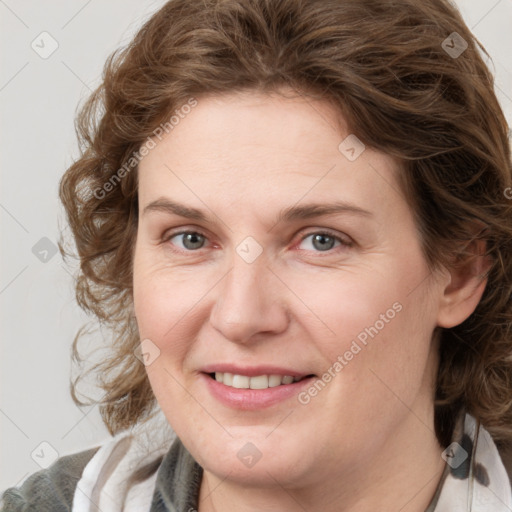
{"x": 366, "y": 441}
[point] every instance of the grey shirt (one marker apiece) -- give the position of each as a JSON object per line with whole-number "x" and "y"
{"x": 52, "y": 489}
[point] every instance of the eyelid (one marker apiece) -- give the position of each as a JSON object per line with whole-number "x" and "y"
{"x": 345, "y": 239}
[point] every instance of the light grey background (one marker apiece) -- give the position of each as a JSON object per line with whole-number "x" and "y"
{"x": 38, "y": 100}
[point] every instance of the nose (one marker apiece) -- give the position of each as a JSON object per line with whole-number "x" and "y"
{"x": 249, "y": 301}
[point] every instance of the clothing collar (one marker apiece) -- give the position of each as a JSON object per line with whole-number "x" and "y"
{"x": 178, "y": 482}
{"x": 474, "y": 479}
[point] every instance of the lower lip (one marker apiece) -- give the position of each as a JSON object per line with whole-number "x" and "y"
{"x": 250, "y": 399}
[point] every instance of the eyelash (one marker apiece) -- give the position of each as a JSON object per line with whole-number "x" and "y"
{"x": 344, "y": 244}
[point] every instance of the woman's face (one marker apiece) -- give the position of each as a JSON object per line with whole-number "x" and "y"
{"x": 267, "y": 284}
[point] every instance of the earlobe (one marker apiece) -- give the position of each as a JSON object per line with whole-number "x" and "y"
{"x": 465, "y": 287}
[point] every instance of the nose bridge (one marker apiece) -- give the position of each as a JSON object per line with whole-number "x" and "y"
{"x": 245, "y": 302}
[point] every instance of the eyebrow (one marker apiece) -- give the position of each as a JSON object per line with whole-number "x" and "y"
{"x": 289, "y": 214}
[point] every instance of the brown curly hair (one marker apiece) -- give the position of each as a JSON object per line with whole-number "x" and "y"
{"x": 387, "y": 66}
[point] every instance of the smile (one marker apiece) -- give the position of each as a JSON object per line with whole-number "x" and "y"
{"x": 242, "y": 391}
{"x": 257, "y": 382}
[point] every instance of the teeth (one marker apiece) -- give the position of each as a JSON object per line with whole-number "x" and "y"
{"x": 240, "y": 381}
{"x": 274, "y": 380}
{"x": 258, "y": 382}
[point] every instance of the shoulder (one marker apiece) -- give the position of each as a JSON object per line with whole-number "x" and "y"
{"x": 50, "y": 489}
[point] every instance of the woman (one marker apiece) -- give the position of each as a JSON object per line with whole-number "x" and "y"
{"x": 294, "y": 216}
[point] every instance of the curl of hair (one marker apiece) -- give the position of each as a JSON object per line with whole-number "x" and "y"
{"x": 383, "y": 65}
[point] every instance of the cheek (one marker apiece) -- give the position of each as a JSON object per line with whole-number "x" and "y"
{"x": 157, "y": 296}
{"x": 167, "y": 303}
{"x": 154, "y": 302}
{"x": 165, "y": 315}
{"x": 373, "y": 322}
{"x": 340, "y": 308}
{"x": 380, "y": 352}
{"x": 150, "y": 302}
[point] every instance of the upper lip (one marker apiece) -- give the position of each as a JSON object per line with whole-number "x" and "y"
{"x": 252, "y": 371}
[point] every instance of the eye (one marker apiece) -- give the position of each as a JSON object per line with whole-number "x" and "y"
{"x": 324, "y": 241}
{"x": 191, "y": 240}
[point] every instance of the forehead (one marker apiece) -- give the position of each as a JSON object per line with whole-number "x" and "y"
{"x": 256, "y": 149}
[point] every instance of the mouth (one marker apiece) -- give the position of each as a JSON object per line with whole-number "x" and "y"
{"x": 263, "y": 381}
{"x": 257, "y": 392}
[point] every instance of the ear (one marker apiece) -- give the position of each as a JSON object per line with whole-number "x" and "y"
{"x": 465, "y": 286}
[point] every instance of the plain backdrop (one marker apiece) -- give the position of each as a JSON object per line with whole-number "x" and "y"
{"x": 39, "y": 94}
